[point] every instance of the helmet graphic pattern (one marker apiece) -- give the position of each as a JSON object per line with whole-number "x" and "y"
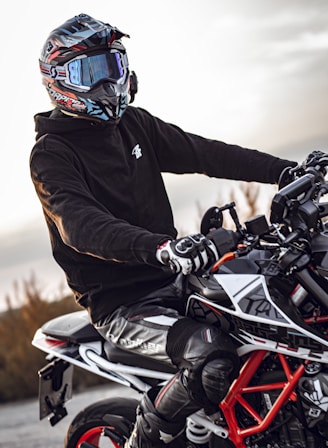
{"x": 78, "y": 38}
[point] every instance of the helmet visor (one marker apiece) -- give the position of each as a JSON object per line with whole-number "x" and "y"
{"x": 85, "y": 71}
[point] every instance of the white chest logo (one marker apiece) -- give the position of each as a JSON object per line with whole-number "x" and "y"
{"x": 136, "y": 151}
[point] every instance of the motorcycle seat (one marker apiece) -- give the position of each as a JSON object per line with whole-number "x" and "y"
{"x": 76, "y": 328}
{"x": 72, "y": 327}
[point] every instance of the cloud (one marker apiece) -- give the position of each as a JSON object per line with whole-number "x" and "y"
{"x": 26, "y": 253}
{"x": 27, "y": 243}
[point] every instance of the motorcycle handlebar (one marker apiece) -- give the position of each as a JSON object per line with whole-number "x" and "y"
{"x": 225, "y": 240}
{"x": 290, "y": 191}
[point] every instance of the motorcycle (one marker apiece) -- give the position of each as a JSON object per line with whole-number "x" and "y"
{"x": 269, "y": 291}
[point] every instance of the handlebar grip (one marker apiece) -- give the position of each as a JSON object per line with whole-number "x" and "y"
{"x": 293, "y": 236}
{"x": 224, "y": 240}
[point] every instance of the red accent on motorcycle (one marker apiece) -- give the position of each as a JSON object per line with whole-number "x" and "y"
{"x": 226, "y": 257}
{"x": 241, "y": 387}
{"x": 316, "y": 320}
{"x": 50, "y": 342}
{"x": 93, "y": 436}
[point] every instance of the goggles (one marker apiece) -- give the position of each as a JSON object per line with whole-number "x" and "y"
{"x": 84, "y": 71}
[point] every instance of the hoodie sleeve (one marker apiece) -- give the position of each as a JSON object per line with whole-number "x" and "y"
{"x": 83, "y": 223}
{"x": 192, "y": 153}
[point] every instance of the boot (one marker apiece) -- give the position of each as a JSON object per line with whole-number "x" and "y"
{"x": 161, "y": 415}
{"x": 151, "y": 430}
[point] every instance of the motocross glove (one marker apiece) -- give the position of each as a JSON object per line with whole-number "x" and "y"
{"x": 188, "y": 254}
{"x": 317, "y": 159}
{"x": 285, "y": 178}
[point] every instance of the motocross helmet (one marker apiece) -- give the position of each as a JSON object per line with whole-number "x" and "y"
{"x": 85, "y": 69}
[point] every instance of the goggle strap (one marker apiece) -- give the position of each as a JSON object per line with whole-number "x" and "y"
{"x": 58, "y": 72}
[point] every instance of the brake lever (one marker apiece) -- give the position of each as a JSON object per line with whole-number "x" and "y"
{"x": 242, "y": 250}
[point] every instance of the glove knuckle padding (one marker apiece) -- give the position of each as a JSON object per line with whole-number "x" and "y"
{"x": 195, "y": 247}
{"x": 183, "y": 247}
{"x": 188, "y": 245}
{"x": 187, "y": 254}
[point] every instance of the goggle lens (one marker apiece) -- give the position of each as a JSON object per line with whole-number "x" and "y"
{"x": 87, "y": 71}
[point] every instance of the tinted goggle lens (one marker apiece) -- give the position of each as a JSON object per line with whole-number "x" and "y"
{"x": 87, "y": 71}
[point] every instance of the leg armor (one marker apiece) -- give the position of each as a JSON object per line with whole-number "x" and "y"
{"x": 208, "y": 363}
{"x": 151, "y": 429}
{"x": 208, "y": 358}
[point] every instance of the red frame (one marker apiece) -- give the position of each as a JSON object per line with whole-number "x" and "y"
{"x": 241, "y": 386}
{"x": 316, "y": 320}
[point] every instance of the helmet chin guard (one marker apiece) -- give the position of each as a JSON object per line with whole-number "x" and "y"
{"x": 85, "y": 69}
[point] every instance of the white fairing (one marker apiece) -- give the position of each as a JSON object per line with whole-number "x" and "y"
{"x": 261, "y": 324}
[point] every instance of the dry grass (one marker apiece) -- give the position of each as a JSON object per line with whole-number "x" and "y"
{"x": 19, "y": 360}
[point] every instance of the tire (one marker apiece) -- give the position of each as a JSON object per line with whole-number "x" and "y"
{"x": 115, "y": 414}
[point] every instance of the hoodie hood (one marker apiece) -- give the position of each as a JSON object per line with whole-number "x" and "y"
{"x": 56, "y": 122}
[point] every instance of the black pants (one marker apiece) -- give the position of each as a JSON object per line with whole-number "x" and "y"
{"x": 143, "y": 327}
{"x": 156, "y": 327}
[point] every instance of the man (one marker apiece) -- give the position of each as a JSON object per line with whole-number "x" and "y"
{"x": 97, "y": 166}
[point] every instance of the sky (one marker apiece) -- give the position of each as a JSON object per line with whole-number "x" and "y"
{"x": 248, "y": 72}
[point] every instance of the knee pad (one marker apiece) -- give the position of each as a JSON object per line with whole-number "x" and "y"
{"x": 189, "y": 341}
{"x": 208, "y": 357}
{"x": 216, "y": 378}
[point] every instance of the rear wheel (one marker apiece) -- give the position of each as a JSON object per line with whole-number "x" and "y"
{"x": 106, "y": 423}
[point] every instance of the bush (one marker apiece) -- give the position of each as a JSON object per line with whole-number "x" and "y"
{"x": 19, "y": 360}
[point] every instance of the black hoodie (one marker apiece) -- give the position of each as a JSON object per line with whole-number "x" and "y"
{"x": 105, "y": 203}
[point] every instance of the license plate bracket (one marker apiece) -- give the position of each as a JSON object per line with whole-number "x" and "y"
{"x": 55, "y": 388}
